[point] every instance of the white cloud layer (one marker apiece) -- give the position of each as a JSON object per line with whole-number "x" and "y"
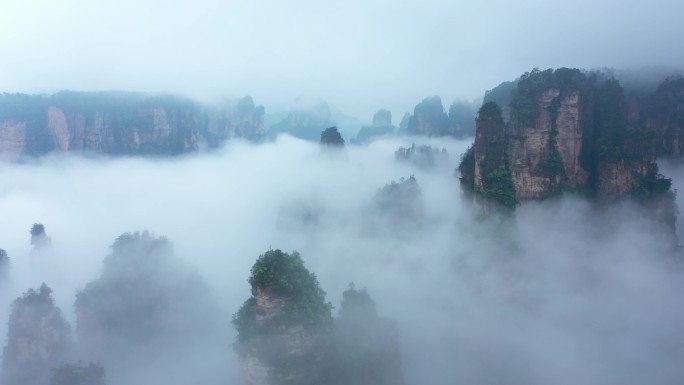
{"x": 560, "y": 294}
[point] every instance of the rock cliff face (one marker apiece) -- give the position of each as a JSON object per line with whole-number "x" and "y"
{"x": 117, "y": 123}
{"x": 569, "y": 130}
{"x": 264, "y": 361}
{"x": 555, "y": 132}
{"x": 569, "y": 139}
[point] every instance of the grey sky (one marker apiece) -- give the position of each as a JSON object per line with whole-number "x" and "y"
{"x": 359, "y": 55}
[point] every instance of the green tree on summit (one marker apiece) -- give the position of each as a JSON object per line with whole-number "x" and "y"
{"x": 284, "y": 276}
{"x": 330, "y": 137}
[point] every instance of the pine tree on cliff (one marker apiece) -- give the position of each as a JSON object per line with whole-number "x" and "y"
{"x": 38, "y": 337}
{"x": 330, "y": 137}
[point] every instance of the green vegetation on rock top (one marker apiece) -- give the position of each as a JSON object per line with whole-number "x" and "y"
{"x": 283, "y": 276}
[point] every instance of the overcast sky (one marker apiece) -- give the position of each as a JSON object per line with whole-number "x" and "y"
{"x": 360, "y": 55}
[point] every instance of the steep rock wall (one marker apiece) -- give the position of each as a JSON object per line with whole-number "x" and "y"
{"x": 489, "y": 149}
{"x": 617, "y": 178}
{"x": 120, "y": 124}
{"x": 570, "y": 138}
{"x": 12, "y": 140}
{"x": 58, "y": 128}
{"x": 528, "y": 147}
{"x": 546, "y": 155}
{"x": 262, "y": 359}
{"x": 571, "y": 131}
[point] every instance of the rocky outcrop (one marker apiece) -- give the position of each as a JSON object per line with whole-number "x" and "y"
{"x": 264, "y": 359}
{"x": 305, "y": 120}
{"x": 249, "y": 120}
{"x": 424, "y": 156}
{"x": 118, "y": 123}
{"x": 429, "y": 118}
{"x": 572, "y": 131}
{"x": 39, "y": 238}
{"x": 38, "y": 338}
{"x": 145, "y": 301}
{"x": 286, "y": 334}
{"x": 382, "y": 126}
{"x": 546, "y": 154}
{"x": 365, "y": 346}
{"x": 283, "y": 328}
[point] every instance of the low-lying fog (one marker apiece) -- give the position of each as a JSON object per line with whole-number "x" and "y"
{"x": 560, "y": 294}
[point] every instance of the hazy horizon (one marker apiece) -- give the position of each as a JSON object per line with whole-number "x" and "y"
{"x": 359, "y": 56}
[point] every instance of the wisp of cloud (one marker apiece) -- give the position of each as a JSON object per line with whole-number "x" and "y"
{"x": 558, "y": 293}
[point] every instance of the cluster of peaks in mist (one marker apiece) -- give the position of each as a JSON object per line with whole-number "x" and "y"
{"x": 530, "y": 236}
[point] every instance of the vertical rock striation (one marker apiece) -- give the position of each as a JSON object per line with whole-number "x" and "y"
{"x": 119, "y": 123}
{"x": 571, "y": 130}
